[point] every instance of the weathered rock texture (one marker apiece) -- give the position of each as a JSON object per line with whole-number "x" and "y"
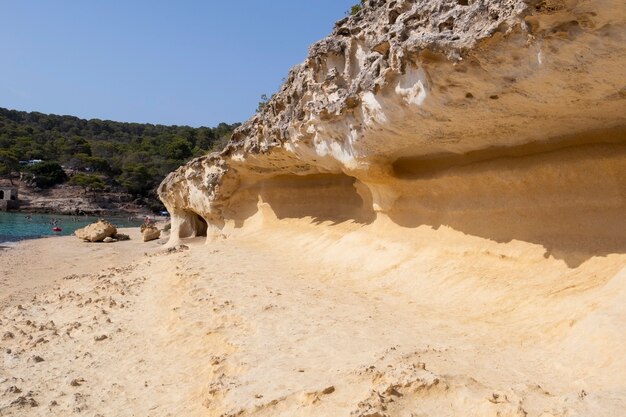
{"x": 150, "y": 233}
{"x": 503, "y": 119}
{"x": 96, "y": 232}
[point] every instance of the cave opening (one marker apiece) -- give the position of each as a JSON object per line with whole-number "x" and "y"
{"x": 192, "y": 225}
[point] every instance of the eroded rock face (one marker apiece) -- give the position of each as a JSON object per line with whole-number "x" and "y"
{"x": 421, "y": 111}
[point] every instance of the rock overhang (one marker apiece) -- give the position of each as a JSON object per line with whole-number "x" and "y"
{"x": 404, "y": 82}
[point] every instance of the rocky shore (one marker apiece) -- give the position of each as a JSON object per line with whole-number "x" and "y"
{"x": 74, "y": 200}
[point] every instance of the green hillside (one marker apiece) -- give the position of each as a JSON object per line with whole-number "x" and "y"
{"x": 133, "y": 156}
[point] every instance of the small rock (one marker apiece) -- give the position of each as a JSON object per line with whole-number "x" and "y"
{"x": 77, "y": 382}
{"x": 328, "y": 390}
{"x": 24, "y": 400}
{"x": 109, "y": 240}
{"x": 7, "y": 336}
{"x": 100, "y": 338}
{"x": 37, "y": 359}
{"x": 498, "y": 398}
{"x": 150, "y": 233}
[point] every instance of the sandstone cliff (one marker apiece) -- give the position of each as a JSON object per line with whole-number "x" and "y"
{"x": 493, "y": 117}
{"x": 463, "y": 160}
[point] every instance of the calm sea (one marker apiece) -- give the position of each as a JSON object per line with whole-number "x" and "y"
{"x": 19, "y": 226}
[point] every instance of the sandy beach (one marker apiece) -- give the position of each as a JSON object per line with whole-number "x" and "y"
{"x": 279, "y": 325}
{"x": 425, "y": 219}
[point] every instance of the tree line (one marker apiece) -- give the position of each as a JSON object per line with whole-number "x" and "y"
{"x": 100, "y": 153}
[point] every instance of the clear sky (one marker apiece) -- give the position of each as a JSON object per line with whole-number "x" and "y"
{"x": 184, "y": 62}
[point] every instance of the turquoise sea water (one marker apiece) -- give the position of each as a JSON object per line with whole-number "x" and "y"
{"x": 17, "y": 226}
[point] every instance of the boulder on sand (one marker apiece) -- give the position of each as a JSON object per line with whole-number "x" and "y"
{"x": 150, "y": 233}
{"x": 96, "y": 232}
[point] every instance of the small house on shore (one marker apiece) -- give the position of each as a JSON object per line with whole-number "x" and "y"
{"x": 8, "y": 198}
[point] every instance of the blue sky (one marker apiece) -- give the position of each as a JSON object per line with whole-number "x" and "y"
{"x": 186, "y": 62}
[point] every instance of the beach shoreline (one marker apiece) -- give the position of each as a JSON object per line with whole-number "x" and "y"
{"x": 31, "y": 263}
{"x": 15, "y": 227}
